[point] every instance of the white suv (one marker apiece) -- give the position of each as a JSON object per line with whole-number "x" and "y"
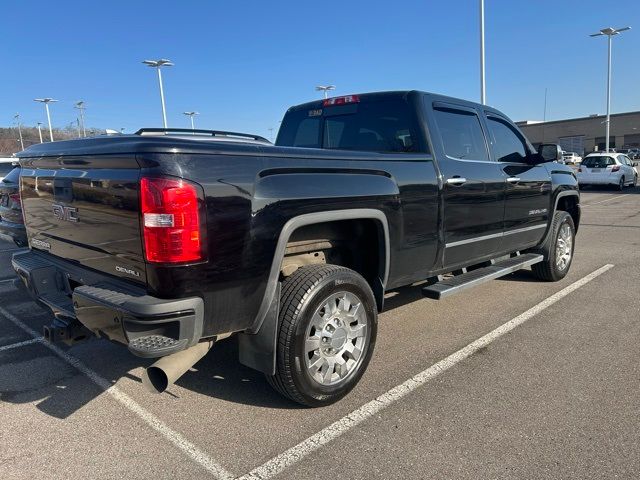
{"x": 571, "y": 158}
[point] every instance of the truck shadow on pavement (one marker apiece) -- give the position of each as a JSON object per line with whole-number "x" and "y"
{"x": 33, "y": 374}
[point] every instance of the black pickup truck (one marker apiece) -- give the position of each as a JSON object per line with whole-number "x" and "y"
{"x": 167, "y": 241}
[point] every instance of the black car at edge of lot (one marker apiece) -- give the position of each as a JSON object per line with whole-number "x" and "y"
{"x": 11, "y": 221}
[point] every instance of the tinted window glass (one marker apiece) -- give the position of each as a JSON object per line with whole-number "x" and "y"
{"x": 461, "y": 134}
{"x": 508, "y": 147}
{"x": 598, "y": 162}
{"x": 307, "y": 133}
{"x": 378, "y": 126}
{"x": 12, "y": 177}
{"x": 5, "y": 168}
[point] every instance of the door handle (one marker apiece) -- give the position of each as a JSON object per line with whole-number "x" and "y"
{"x": 513, "y": 179}
{"x": 456, "y": 181}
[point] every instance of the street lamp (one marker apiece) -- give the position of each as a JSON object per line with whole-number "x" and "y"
{"x": 40, "y": 130}
{"x": 157, "y": 64}
{"x": 483, "y": 93}
{"x": 17, "y": 117}
{"x": 46, "y": 102}
{"x": 609, "y": 33}
{"x": 191, "y": 115}
{"x": 325, "y": 89}
{"x": 80, "y": 106}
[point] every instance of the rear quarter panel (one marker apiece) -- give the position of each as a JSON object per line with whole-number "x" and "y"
{"x": 249, "y": 198}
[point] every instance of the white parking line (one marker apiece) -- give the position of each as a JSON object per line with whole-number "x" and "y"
{"x": 4, "y": 348}
{"x": 295, "y": 454}
{"x": 607, "y": 200}
{"x": 154, "y": 422}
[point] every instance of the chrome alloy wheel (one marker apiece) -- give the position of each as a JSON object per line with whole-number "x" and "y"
{"x": 564, "y": 247}
{"x": 336, "y": 338}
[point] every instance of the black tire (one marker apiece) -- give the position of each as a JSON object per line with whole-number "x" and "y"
{"x": 635, "y": 180}
{"x": 621, "y": 184}
{"x": 549, "y": 270}
{"x": 305, "y": 291}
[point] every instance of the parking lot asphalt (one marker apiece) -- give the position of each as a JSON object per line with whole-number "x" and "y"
{"x": 554, "y": 397}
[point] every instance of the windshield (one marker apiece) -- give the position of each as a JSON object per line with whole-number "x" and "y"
{"x": 377, "y": 126}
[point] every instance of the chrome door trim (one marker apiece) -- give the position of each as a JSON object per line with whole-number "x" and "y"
{"x": 495, "y": 235}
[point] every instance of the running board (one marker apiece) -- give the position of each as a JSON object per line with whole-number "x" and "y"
{"x": 457, "y": 283}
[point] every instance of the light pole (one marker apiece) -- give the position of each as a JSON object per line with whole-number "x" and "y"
{"x": 191, "y": 115}
{"x": 325, "y": 89}
{"x": 17, "y": 117}
{"x": 40, "y": 130}
{"x": 46, "y": 102}
{"x": 157, "y": 64}
{"x": 609, "y": 32}
{"x": 483, "y": 93}
{"x": 81, "y": 106}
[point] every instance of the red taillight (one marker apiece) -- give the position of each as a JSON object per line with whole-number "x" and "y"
{"x": 330, "y": 102}
{"x": 615, "y": 168}
{"x": 171, "y": 220}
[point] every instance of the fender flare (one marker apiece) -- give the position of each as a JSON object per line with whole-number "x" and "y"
{"x": 565, "y": 193}
{"x": 257, "y": 347}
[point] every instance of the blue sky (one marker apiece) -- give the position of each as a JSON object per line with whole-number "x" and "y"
{"x": 242, "y": 63}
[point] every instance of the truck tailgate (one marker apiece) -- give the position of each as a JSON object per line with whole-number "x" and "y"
{"x": 86, "y": 209}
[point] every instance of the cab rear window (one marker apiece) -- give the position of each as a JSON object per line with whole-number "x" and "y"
{"x": 376, "y": 126}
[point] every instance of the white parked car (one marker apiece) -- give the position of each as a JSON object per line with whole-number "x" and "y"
{"x": 608, "y": 169}
{"x": 571, "y": 158}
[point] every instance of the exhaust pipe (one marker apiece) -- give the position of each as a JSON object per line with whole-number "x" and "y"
{"x": 167, "y": 370}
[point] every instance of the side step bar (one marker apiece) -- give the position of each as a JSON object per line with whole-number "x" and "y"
{"x": 455, "y": 284}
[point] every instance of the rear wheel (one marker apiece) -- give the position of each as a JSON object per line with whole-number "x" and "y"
{"x": 635, "y": 180}
{"x": 557, "y": 250}
{"x": 328, "y": 326}
{"x": 621, "y": 184}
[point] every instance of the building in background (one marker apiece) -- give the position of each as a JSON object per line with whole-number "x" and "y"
{"x": 584, "y": 135}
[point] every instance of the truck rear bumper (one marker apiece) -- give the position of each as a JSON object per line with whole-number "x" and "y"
{"x": 150, "y": 326}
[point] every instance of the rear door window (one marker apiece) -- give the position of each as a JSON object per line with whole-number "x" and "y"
{"x": 461, "y": 134}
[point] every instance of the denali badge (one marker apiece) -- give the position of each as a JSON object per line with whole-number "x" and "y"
{"x": 39, "y": 243}
{"x": 537, "y": 211}
{"x": 61, "y": 212}
{"x": 130, "y": 271}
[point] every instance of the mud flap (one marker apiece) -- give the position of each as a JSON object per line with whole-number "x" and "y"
{"x": 258, "y": 350}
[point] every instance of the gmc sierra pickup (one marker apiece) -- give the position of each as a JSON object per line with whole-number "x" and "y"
{"x": 167, "y": 241}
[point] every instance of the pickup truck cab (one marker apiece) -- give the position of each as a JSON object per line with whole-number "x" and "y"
{"x": 167, "y": 241}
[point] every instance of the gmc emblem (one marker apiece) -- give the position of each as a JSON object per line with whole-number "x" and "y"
{"x": 61, "y": 212}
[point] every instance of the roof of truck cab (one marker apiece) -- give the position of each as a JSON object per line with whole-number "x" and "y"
{"x": 398, "y": 94}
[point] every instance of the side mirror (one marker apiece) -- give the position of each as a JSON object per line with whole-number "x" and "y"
{"x": 550, "y": 152}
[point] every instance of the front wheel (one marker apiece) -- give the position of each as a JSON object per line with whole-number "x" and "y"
{"x": 557, "y": 250}
{"x": 328, "y": 326}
